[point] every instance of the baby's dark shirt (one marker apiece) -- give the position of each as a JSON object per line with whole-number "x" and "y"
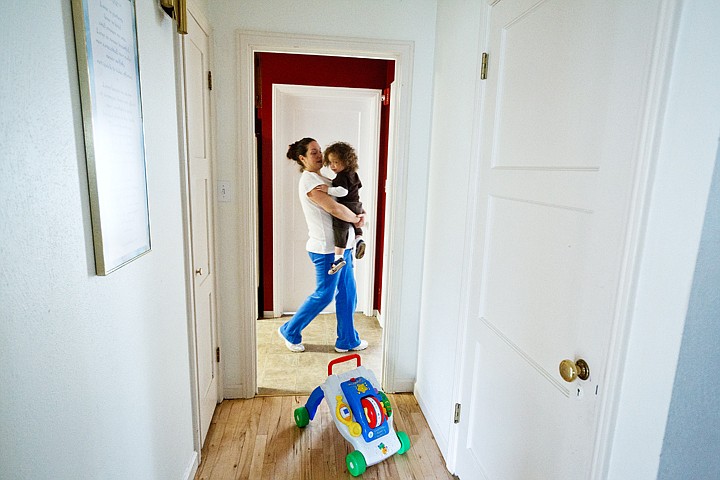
{"x": 350, "y": 181}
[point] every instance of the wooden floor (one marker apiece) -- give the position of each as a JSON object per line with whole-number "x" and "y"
{"x": 258, "y": 439}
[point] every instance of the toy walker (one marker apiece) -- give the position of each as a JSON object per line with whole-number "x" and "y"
{"x": 362, "y": 414}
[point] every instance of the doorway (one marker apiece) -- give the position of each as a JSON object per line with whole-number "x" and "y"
{"x": 330, "y": 99}
{"x": 349, "y": 74}
{"x": 401, "y": 53}
{"x": 328, "y": 114}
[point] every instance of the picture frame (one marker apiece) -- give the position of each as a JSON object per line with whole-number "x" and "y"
{"x": 109, "y": 77}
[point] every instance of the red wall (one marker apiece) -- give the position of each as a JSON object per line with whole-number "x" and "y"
{"x": 317, "y": 70}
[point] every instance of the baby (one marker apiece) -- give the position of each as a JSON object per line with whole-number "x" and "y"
{"x": 342, "y": 160}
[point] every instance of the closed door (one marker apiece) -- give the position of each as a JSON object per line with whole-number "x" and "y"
{"x": 562, "y": 115}
{"x": 328, "y": 114}
{"x": 197, "y": 118}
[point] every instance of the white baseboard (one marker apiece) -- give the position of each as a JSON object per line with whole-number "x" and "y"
{"x": 192, "y": 467}
{"x": 440, "y": 438}
{"x": 403, "y": 385}
{"x": 381, "y": 318}
{"x": 233, "y": 391}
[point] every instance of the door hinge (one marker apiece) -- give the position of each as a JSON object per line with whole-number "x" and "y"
{"x": 483, "y": 66}
{"x": 217, "y": 354}
{"x": 457, "y": 413}
{"x": 209, "y": 80}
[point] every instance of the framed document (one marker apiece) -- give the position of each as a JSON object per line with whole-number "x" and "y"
{"x": 108, "y": 70}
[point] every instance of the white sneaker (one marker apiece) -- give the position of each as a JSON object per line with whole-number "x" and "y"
{"x": 363, "y": 345}
{"x": 293, "y": 347}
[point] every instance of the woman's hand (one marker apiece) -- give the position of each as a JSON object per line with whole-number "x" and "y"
{"x": 361, "y": 222}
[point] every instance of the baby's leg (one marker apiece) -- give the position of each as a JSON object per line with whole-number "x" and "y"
{"x": 340, "y": 232}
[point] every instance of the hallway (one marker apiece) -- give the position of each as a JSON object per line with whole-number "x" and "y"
{"x": 99, "y": 369}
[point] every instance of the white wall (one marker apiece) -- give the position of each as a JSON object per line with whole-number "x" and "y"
{"x": 94, "y": 376}
{"x": 457, "y": 55}
{"x": 687, "y": 440}
{"x": 393, "y": 20}
{"x": 675, "y": 218}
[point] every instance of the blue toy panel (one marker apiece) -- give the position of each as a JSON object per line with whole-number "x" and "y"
{"x": 357, "y": 392}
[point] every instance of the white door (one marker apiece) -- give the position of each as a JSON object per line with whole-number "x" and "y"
{"x": 562, "y": 115}
{"x": 197, "y": 118}
{"x": 327, "y": 114}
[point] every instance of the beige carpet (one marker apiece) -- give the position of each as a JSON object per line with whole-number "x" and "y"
{"x": 281, "y": 372}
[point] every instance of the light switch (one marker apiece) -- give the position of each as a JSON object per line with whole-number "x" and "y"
{"x": 223, "y": 192}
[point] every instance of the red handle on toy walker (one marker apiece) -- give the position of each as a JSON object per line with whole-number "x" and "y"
{"x": 343, "y": 359}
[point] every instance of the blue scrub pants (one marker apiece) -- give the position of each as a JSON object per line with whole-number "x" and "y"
{"x": 342, "y": 287}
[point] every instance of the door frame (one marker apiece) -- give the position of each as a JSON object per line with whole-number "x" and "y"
{"x": 369, "y": 173}
{"x": 648, "y": 145}
{"x": 402, "y": 52}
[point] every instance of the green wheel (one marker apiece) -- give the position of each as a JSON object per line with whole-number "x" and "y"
{"x": 302, "y": 417}
{"x": 355, "y": 463}
{"x": 386, "y": 402}
{"x": 404, "y": 442}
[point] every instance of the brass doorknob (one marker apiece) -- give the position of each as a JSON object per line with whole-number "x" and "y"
{"x": 198, "y": 271}
{"x": 570, "y": 370}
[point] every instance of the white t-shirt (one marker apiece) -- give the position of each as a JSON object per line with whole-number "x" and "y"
{"x": 319, "y": 222}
